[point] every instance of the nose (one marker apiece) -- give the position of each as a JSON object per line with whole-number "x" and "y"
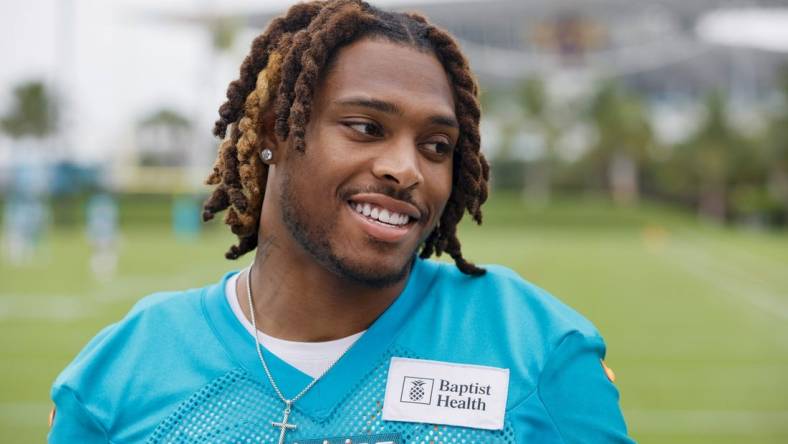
{"x": 398, "y": 163}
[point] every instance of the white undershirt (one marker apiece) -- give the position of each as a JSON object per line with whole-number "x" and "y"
{"x": 312, "y": 358}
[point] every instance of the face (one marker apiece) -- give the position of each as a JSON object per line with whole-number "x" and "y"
{"x": 377, "y": 171}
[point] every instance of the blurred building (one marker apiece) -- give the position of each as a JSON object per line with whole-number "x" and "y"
{"x": 655, "y": 48}
{"x": 651, "y": 45}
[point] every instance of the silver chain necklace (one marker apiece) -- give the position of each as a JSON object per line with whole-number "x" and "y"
{"x": 283, "y": 426}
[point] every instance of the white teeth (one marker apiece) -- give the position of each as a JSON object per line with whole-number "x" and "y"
{"x": 381, "y": 214}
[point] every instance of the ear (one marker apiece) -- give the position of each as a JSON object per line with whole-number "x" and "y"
{"x": 268, "y": 139}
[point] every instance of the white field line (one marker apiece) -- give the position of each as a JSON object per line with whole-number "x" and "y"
{"x": 732, "y": 281}
{"x": 737, "y": 258}
{"x": 44, "y": 307}
{"x": 71, "y": 307}
{"x": 707, "y": 422}
{"x": 768, "y": 270}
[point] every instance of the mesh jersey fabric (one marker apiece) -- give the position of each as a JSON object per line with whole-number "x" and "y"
{"x": 180, "y": 368}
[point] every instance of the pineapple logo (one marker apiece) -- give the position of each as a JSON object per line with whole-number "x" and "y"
{"x": 417, "y": 390}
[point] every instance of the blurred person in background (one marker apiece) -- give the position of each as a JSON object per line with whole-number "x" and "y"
{"x": 25, "y": 216}
{"x": 351, "y": 152}
{"x": 102, "y": 232}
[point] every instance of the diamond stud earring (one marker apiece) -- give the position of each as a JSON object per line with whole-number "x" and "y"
{"x": 266, "y": 155}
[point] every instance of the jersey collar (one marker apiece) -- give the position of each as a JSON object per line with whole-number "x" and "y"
{"x": 358, "y": 361}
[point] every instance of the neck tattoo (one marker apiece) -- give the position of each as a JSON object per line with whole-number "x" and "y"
{"x": 283, "y": 426}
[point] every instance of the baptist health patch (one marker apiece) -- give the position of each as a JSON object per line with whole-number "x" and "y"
{"x": 435, "y": 392}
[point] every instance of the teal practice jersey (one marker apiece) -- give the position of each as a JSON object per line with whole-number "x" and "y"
{"x": 455, "y": 359}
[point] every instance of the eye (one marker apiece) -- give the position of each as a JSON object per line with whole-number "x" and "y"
{"x": 367, "y": 128}
{"x": 438, "y": 147}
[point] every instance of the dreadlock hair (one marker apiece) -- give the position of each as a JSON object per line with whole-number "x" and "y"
{"x": 280, "y": 74}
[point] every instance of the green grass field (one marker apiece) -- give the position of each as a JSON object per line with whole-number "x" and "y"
{"x": 695, "y": 316}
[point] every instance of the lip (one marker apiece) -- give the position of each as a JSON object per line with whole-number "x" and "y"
{"x": 379, "y": 231}
{"x": 391, "y": 204}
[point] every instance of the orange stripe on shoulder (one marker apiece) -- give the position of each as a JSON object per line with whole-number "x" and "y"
{"x": 611, "y": 375}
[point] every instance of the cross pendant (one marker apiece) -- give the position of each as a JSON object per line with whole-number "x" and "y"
{"x": 284, "y": 426}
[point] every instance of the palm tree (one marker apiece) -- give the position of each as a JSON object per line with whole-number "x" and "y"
{"x": 624, "y": 136}
{"x": 777, "y": 151}
{"x": 224, "y": 31}
{"x": 535, "y": 103}
{"x": 711, "y": 156}
{"x": 33, "y": 113}
{"x": 164, "y": 138}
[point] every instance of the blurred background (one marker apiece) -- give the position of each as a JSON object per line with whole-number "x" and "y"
{"x": 640, "y": 173}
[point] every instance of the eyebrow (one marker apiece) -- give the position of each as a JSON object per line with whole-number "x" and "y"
{"x": 376, "y": 104}
{"x": 445, "y": 121}
{"x": 390, "y": 108}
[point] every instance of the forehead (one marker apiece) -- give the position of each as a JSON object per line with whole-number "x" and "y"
{"x": 388, "y": 71}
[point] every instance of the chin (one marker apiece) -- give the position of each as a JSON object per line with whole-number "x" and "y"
{"x": 366, "y": 261}
{"x": 371, "y": 273}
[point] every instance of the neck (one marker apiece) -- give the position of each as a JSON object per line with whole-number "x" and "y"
{"x": 299, "y": 300}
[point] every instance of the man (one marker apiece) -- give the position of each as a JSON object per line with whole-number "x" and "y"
{"x": 351, "y": 144}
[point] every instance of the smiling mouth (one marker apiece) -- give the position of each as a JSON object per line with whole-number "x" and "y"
{"x": 380, "y": 215}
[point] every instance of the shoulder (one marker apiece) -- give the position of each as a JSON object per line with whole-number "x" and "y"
{"x": 145, "y": 328}
{"x": 502, "y": 295}
{"x": 133, "y": 362}
{"x": 145, "y": 319}
{"x": 498, "y": 319}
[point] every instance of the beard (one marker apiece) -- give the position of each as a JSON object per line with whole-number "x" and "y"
{"x": 315, "y": 238}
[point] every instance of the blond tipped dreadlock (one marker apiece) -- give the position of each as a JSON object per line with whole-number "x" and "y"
{"x": 281, "y": 74}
